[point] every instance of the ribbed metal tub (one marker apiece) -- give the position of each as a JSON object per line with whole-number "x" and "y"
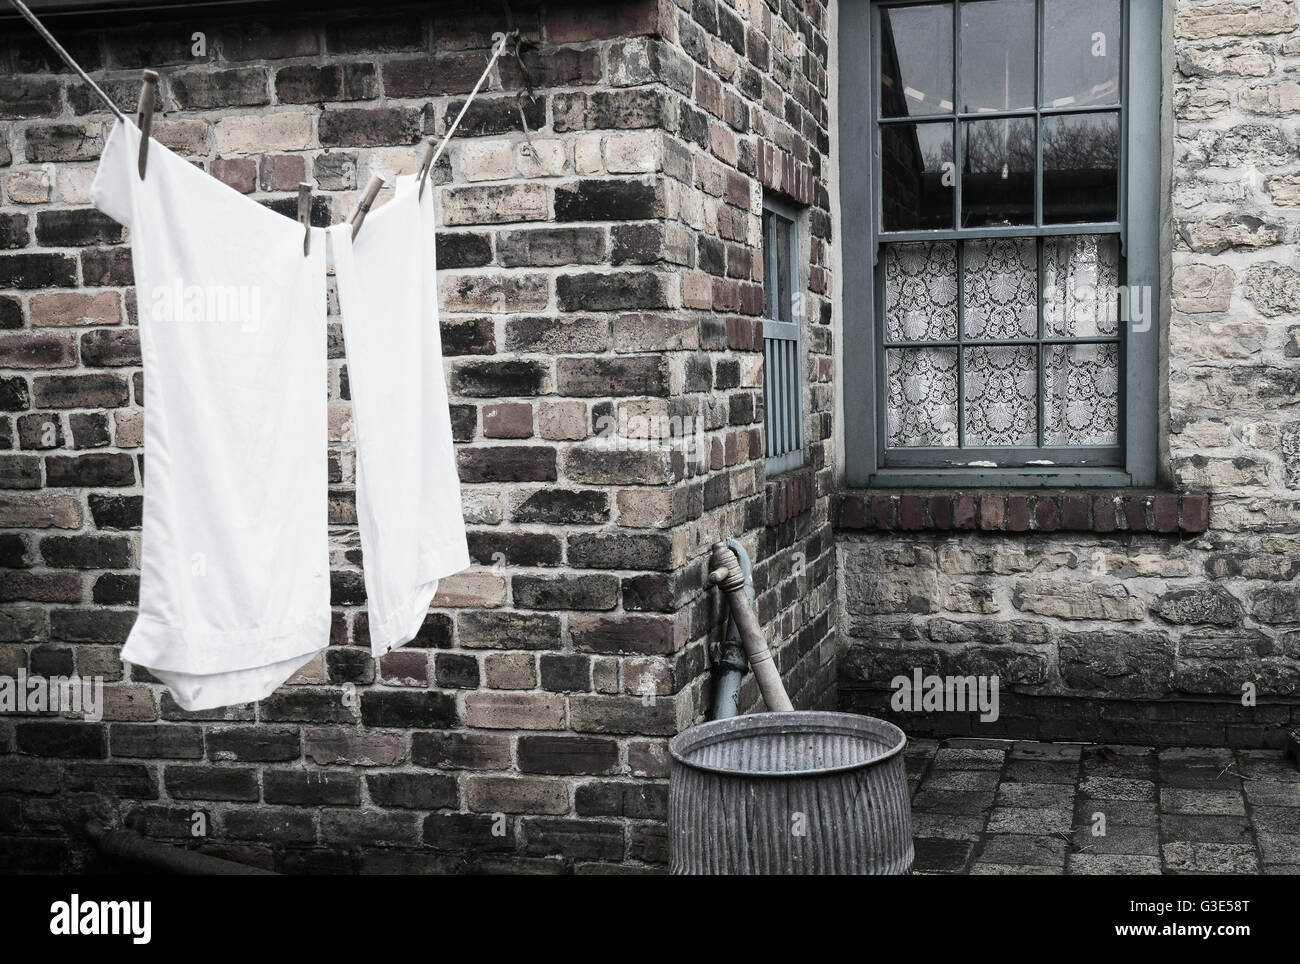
{"x": 789, "y": 793}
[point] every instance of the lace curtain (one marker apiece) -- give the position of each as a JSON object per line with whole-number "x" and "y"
{"x": 995, "y": 297}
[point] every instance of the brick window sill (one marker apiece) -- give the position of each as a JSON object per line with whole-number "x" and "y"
{"x": 1066, "y": 510}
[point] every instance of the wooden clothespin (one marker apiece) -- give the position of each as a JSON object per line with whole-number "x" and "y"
{"x": 304, "y": 215}
{"x": 144, "y": 115}
{"x": 363, "y": 206}
{"x": 430, "y": 146}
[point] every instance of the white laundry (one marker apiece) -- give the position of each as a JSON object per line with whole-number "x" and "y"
{"x": 407, "y": 487}
{"x": 234, "y": 574}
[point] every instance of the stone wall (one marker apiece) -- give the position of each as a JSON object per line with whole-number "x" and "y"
{"x": 1140, "y": 630}
{"x": 599, "y": 281}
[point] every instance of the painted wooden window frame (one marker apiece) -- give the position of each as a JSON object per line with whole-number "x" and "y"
{"x": 1142, "y": 82}
{"x": 783, "y": 343}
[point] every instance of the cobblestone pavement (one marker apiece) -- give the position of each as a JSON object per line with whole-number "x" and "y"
{"x": 1002, "y": 807}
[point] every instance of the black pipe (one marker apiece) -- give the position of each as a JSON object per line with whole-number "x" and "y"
{"x": 131, "y": 847}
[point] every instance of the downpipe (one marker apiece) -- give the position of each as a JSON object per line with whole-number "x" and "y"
{"x": 744, "y": 643}
{"x": 133, "y": 848}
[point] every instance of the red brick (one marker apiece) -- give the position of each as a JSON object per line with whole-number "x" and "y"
{"x": 1104, "y": 514}
{"x": 882, "y": 511}
{"x": 1017, "y": 514}
{"x": 283, "y": 172}
{"x": 576, "y": 22}
{"x": 508, "y": 420}
{"x": 1047, "y": 513}
{"x": 239, "y": 173}
{"x": 992, "y": 511}
{"x": 75, "y": 308}
{"x": 1074, "y": 512}
{"x": 1165, "y": 513}
{"x": 911, "y": 513}
{"x": 1196, "y": 513}
{"x": 1135, "y": 513}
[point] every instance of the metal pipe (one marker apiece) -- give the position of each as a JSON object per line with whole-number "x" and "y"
{"x": 727, "y": 575}
{"x": 728, "y": 656}
{"x": 129, "y": 846}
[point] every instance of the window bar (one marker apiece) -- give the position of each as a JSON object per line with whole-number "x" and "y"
{"x": 1038, "y": 117}
{"x": 782, "y": 390}
{"x": 776, "y": 396}
{"x": 957, "y": 104}
{"x": 785, "y": 396}
{"x": 768, "y": 401}
{"x": 956, "y": 111}
{"x": 960, "y": 251}
{"x": 1040, "y": 248}
{"x": 789, "y": 396}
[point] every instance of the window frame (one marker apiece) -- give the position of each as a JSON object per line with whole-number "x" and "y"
{"x": 862, "y": 241}
{"x": 776, "y": 329}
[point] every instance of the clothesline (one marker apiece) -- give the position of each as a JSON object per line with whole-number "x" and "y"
{"x": 67, "y": 57}
{"x": 431, "y": 155}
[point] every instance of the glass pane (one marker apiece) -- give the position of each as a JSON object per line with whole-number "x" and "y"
{"x": 922, "y": 396}
{"x": 781, "y": 239}
{"x": 1081, "y": 286}
{"x": 921, "y": 292}
{"x": 1081, "y": 51}
{"x": 769, "y": 268}
{"x": 997, "y": 55}
{"x": 1081, "y": 395}
{"x": 1000, "y": 298}
{"x": 1001, "y": 388}
{"x": 917, "y": 176}
{"x": 997, "y": 185}
{"x": 1080, "y": 168}
{"x": 916, "y": 60}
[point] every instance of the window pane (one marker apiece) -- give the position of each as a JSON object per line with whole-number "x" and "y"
{"x": 921, "y": 292}
{"x": 916, "y": 176}
{"x": 997, "y": 185}
{"x": 916, "y": 60}
{"x": 997, "y": 55}
{"x": 1080, "y": 168}
{"x": 781, "y": 238}
{"x": 1000, "y": 298}
{"x": 1080, "y": 286}
{"x": 1001, "y": 388}
{"x": 1081, "y": 52}
{"x": 1081, "y": 388}
{"x": 922, "y": 396}
{"x": 769, "y": 270}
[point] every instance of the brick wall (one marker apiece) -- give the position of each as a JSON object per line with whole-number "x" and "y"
{"x": 1140, "y": 626}
{"x": 597, "y": 284}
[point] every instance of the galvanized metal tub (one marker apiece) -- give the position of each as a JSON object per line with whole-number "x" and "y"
{"x": 789, "y": 793}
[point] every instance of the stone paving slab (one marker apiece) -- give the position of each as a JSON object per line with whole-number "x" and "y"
{"x": 1057, "y": 795}
{"x": 992, "y": 807}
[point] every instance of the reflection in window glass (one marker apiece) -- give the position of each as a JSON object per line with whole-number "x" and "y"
{"x": 1080, "y": 168}
{"x": 997, "y": 57}
{"x": 997, "y": 185}
{"x": 1081, "y": 52}
{"x": 917, "y": 176}
{"x": 916, "y": 60}
{"x": 777, "y": 303}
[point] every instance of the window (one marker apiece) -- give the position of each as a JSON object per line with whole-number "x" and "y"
{"x": 1000, "y": 166}
{"x": 782, "y": 339}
